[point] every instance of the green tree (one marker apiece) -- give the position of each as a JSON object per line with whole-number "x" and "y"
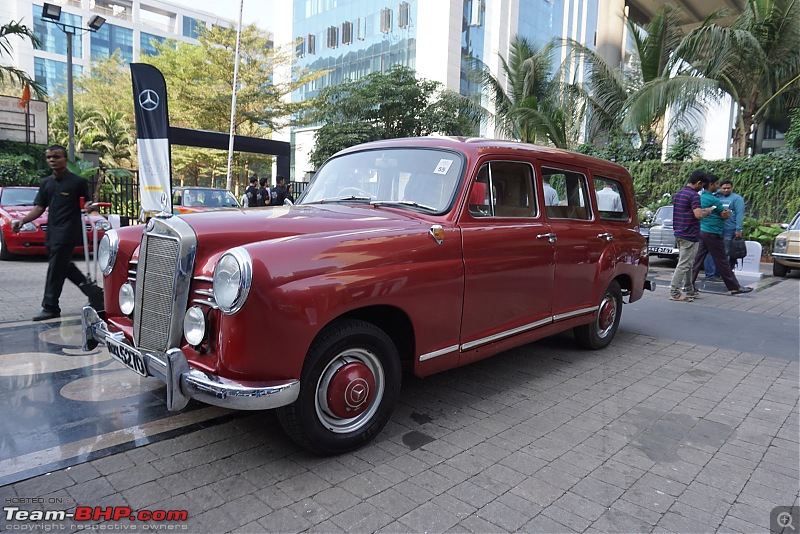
{"x": 386, "y": 106}
{"x": 793, "y": 133}
{"x": 685, "y": 148}
{"x": 756, "y": 60}
{"x": 9, "y": 73}
{"x": 634, "y": 98}
{"x": 526, "y": 106}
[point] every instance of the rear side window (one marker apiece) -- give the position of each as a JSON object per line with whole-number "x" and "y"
{"x": 503, "y": 189}
{"x": 566, "y": 194}
{"x": 610, "y": 199}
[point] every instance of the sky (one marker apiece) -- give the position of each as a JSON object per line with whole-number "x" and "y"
{"x": 258, "y": 12}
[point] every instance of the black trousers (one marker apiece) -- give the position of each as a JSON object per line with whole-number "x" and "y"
{"x": 60, "y": 268}
{"x": 715, "y": 245}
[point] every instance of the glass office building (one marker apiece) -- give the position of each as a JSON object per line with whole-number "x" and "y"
{"x": 130, "y": 29}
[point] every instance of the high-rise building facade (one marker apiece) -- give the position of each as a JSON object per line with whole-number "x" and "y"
{"x": 131, "y": 28}
{"x": 437, "y": 38}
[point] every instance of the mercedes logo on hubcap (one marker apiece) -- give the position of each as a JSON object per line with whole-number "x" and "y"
{"x": 148, "y": 100}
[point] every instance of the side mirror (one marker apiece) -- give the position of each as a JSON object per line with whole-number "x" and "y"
{"x": 785, "y": 226}
{"x": 287, "y": 202}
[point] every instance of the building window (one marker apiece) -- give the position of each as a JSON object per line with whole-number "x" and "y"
{"x": 312, "y": 43}
{"x": 361, "y": 28}
{"x": 300, "y": 47}
{"x": 403, "y": 14}
{"x": 110, "y": 38}
{"x": 386, "y": 20}
{"x": 53, "y": 39}
{"x": 146, "y": 43}
{"x": 333, "y": 36}
{"x": 476, "y": 13}
{"x": 347, "y": 32}
{"x": 53, "y": 74}
{"x": 191, "y": 27}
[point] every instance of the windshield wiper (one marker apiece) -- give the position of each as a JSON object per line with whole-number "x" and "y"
{"x": 402, "y": 203}
{"x": 338, "y": 199}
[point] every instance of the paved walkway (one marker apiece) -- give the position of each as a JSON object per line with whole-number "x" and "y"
{"x": 651, "y": 434}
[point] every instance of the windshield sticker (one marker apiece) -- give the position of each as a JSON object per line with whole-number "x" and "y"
{"x": 443, "y": 166}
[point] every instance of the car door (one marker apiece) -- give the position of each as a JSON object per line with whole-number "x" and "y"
{"x": 580, "y": 242}
{"x": 508, "y": 257}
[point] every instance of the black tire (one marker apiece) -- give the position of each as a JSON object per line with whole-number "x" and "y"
{"x": 4, "y": 253}
{"x": 601, "y": 331}
{"x": 779, "y": 269}
{"x": 318, "y": 424}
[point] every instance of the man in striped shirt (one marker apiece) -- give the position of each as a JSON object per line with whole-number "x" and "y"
{"x": 686, "y": 215}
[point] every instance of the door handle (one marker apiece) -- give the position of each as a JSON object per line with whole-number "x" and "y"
{"x": 550, "y": 237}
{"x": 607, "y": 236}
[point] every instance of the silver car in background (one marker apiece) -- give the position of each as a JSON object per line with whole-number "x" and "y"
{"x": 661, "y": 242}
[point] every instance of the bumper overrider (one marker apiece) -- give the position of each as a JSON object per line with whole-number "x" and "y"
{"x": 184, "y": 383}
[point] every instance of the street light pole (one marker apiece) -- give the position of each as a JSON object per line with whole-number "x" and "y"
{"x": 52, "y": 13}
{"x": 70, "y": 106}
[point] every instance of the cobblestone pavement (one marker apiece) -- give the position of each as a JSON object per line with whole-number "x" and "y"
{"x": 650, "y": 434}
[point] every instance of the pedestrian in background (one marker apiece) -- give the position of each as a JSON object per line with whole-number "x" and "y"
{"x": 279, "y": 192}
{"x": 264, "y": 194}
{"x": 686, "y": 215}
{"x": 733, "y": 226}
{"x": 711, "y": 229}
{"x": 250, "y": 198}
{"x": 61, "y": 193}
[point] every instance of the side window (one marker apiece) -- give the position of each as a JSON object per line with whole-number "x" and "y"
{"x": 176, "y": 199}
{"x": 610, "y": 200}
{"x": 566, "y": 194}
{"x": 503, "y": 189}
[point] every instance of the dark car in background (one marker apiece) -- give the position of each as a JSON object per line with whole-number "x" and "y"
{"x": 661, "y": 237}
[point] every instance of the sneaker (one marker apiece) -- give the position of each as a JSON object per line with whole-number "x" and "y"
{"x": 741, "y": 290}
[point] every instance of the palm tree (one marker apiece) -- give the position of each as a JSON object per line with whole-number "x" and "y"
{"x": 636, "y": 97}
{"x": 114, "y": 138}
{"x": 525, "y": 106}
{"x": 756, "y": 60}
{"x": 10, "y": 73}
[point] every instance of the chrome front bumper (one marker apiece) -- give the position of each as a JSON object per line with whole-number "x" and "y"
{"x": 184, "y": 383}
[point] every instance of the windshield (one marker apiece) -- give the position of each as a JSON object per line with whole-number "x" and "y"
{"x": 18, "y": 197}
{"x": 416, "y": 178}
{"x": 664, "y": 216}
{"x": 795, "y": 224}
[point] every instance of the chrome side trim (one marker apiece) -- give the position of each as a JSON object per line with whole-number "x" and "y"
{"x": 507, "y": 333}
{"x": 184, "y": 383}
{"x": 440, "y": 352}
{"x": 575, "y": 312}
{"x": 211, "y": 303}
{"x": 208, "y": 279}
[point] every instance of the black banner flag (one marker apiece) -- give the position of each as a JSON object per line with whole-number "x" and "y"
{"x": 152, "y": 137}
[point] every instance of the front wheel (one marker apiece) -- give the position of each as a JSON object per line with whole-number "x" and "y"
{"x": 780, "y": 270}
{"x": 599, "y": 333}
{"x": 4, "y": 253}
{"x": 348, "y": 389}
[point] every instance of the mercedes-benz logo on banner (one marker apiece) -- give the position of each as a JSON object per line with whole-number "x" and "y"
{"x": 148, "y": 100}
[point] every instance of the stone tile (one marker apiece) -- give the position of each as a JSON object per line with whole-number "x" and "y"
{"x": 135, "y": 476}
{"x": 391, "y": 502}
{"x": 283, "y": 520}
{"x": 245, "y": 510}
{"x": 597, "y": 491}
{"x": 471, "y": 494}
{"x": 616, "y": 521}
{"x": 363, "y": 517}
{"x": 537, "y": 491}
{"x": 580, "y": 505}
{"x": 503, "y": 516}
{"x": 302, "y": 486}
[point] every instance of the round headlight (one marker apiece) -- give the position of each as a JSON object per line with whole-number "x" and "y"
{"x": 107, "y": 251}
{"x": 233, "y": 275}
{"x": 126, "y": 298}
{"x": 194, "y": 326}
{"x": 102, "y": 225}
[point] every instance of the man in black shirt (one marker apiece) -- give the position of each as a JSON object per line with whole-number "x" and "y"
{"x": 264, "y": 193}
{"x": 61, "y": 193}
{"x": 280, "y": 192}
{"x": 251, "y": 193}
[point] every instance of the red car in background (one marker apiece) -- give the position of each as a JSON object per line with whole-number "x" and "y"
{"x": 15, "y": 203}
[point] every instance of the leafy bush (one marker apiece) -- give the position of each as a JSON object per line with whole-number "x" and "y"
{"x": 685, "y": 148}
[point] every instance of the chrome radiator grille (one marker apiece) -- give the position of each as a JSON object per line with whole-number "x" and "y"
{"x": 163, "y": 275}
{"x": 156, "y": 289}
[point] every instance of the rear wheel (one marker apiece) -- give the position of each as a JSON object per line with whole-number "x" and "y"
{"x": 599, "y": 333}
{"x": 348, "y": 389}
{"x": 778, "y": 269}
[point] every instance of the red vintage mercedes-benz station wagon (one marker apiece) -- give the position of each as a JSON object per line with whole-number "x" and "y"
{"x": 422, "y": 254}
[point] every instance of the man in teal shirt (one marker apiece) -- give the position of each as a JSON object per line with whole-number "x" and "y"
{"x": 733, "y": 225}
{"x": 711, "y": 241}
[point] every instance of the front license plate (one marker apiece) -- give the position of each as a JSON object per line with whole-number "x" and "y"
{"x": 127, "y": 356}
{"x": 660, "y": 250}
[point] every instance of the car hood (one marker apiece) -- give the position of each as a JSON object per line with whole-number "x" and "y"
{"x": 16, "y": 212}
{"x": 243, "y": 226}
